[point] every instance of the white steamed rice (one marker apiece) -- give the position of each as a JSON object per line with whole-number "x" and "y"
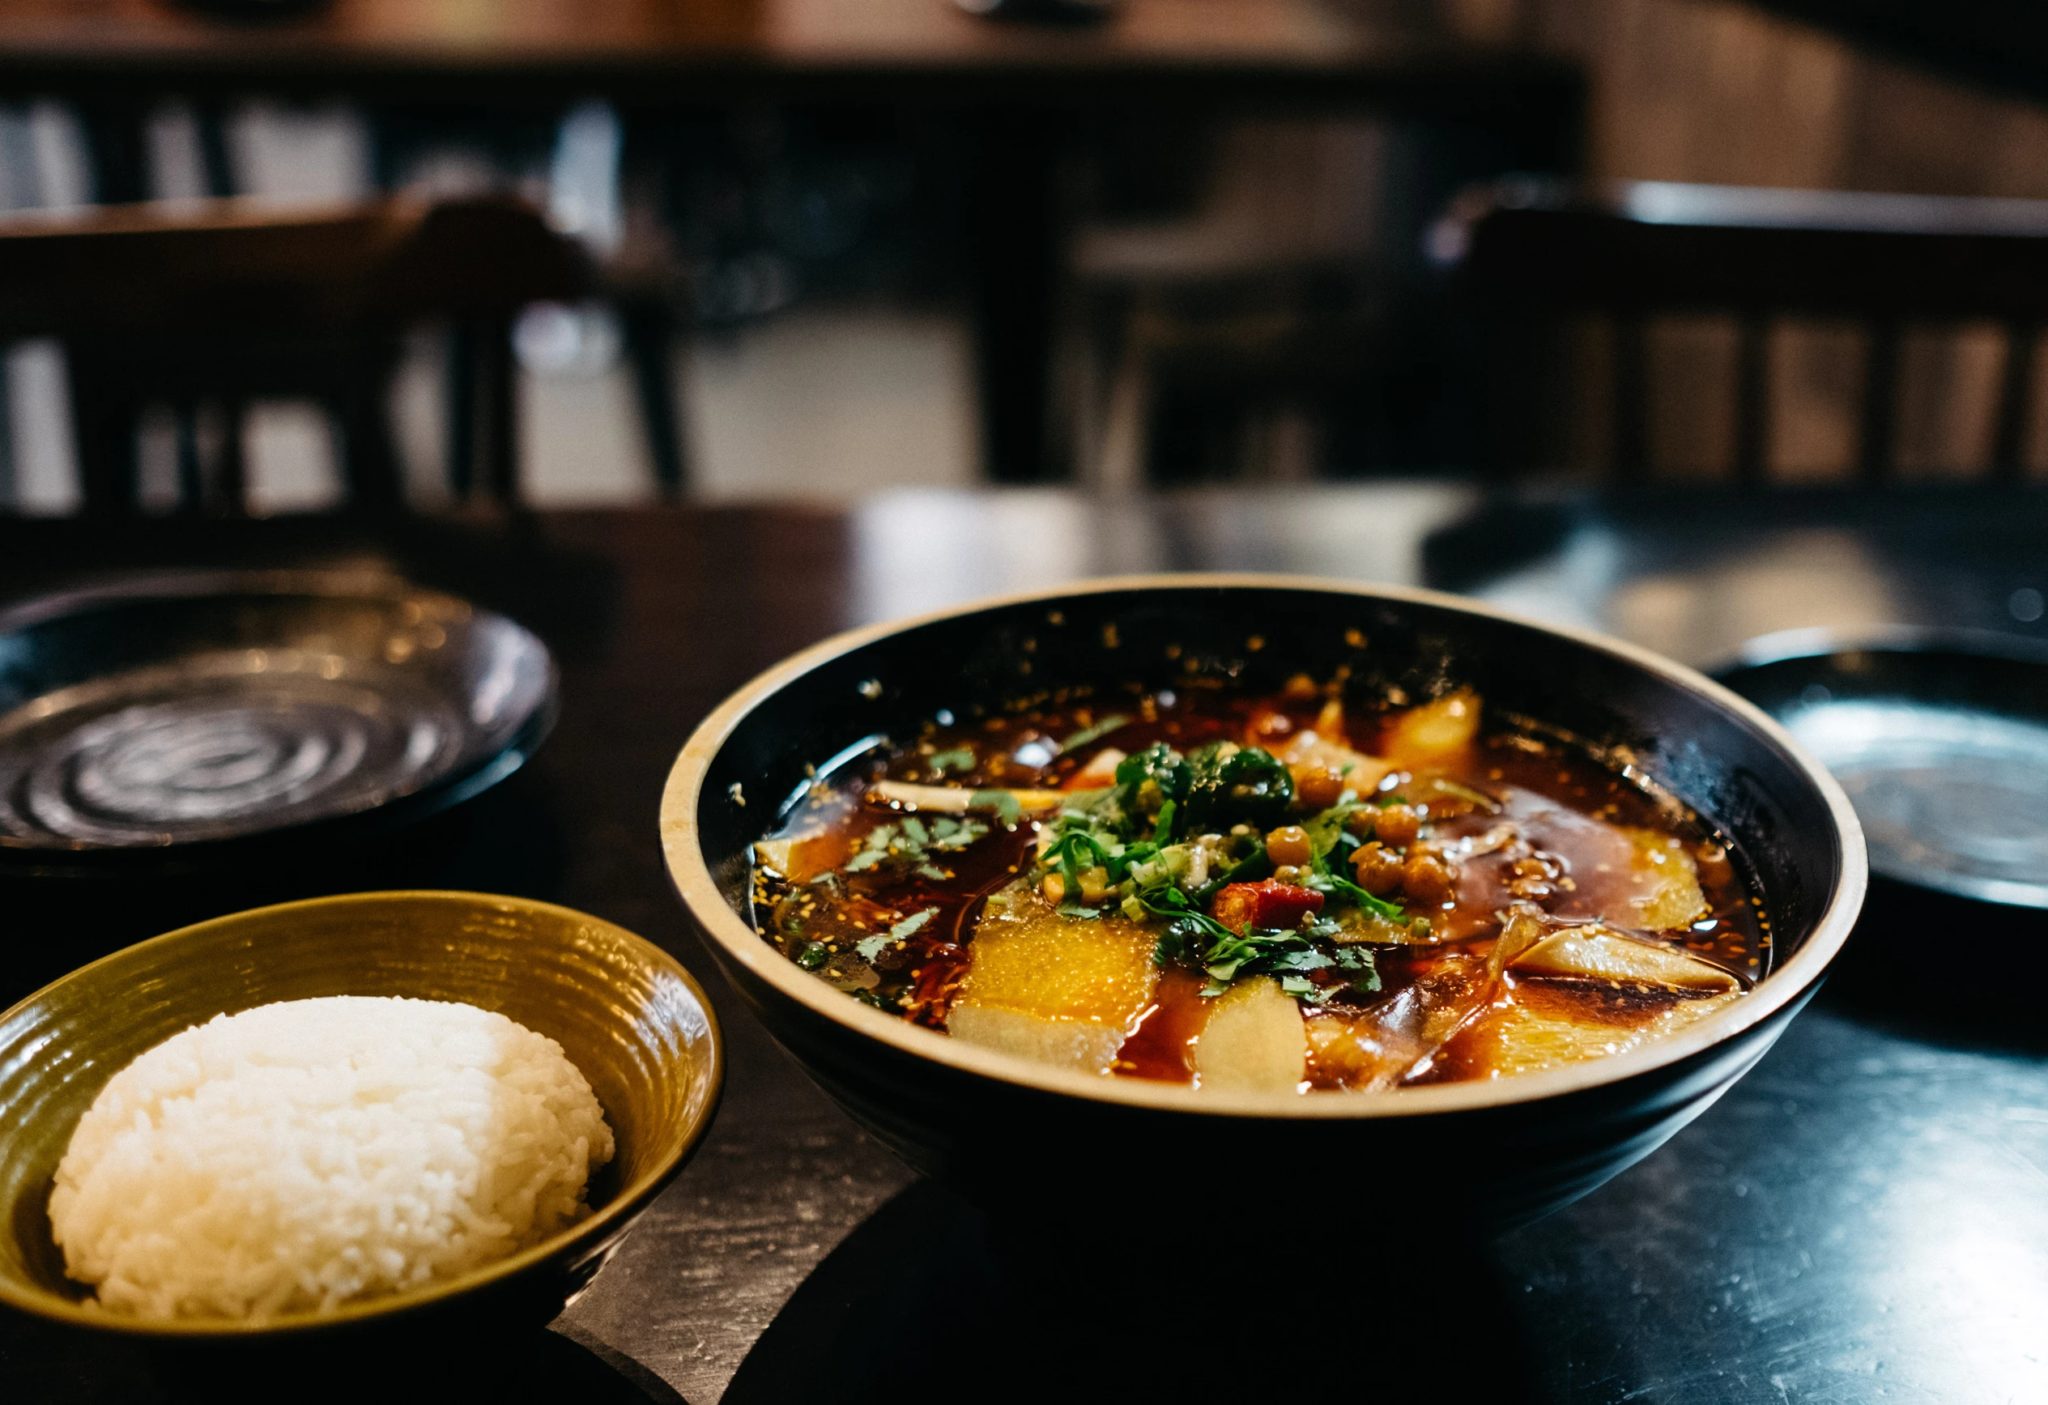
{"x": 300, "y": 1155}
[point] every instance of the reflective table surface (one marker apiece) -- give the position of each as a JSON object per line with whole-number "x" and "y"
{"x": 1863, "y": 1218}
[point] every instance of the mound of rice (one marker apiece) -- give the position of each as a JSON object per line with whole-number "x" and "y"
{"x": 299, "y": 1155}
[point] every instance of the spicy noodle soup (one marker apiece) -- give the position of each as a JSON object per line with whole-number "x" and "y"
{"x": 1274, "y": 892}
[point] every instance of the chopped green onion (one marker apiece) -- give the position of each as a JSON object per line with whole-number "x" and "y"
{"x": 1095, "y": 733}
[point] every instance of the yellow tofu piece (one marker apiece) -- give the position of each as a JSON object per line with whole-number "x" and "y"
{"x": 1523, "y": 1036}
{"x": 1671, "y": 898}
{"x": 1252, "y": 1040}
{"x": 1060, "y": 989}
{"x": 1083, "y": 1044}
{"x": 801, "y": 857}
{"x": 1434, "y": 734}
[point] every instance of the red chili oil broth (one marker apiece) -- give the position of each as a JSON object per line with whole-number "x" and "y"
{"x": 1552, "y": 788}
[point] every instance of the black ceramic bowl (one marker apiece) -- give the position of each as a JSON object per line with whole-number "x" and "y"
{"x": 1025, "y": 1133}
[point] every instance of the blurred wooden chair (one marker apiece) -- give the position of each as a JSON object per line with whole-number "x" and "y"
{"x": 1244, "y": 304}
{"x": 584, "y": 158}
{"x": 1528, "y": 256}
{"x": 1282, "y": 327}
{"x": 221, "y": 303}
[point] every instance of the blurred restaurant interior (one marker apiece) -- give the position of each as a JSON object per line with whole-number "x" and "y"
{"x": 824, "y": 249}
{"x": 685, "y": 334}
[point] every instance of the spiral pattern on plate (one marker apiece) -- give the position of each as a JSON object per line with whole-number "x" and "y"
{"x": 1959, "y": 791}
{"x": 156, "y": 760}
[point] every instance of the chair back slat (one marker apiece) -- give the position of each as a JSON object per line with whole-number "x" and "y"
{"x": 216, "y": 304}
{"x": 1752, "y": 398}
{"x": 1635, "y": 253}
{"x": 1631, "y": 410}
{"x": 1877, "y": 434}
{"x": 2015, "y": 400}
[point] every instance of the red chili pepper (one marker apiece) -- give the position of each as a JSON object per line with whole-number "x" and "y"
{"x": 941, "y": 968}
{"x": 1270, "y": 905}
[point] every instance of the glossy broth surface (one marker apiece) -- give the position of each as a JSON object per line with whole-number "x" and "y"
{"x": 1282, "y": 891}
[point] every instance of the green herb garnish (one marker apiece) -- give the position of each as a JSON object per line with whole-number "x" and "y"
{"x": 941, "y": 763}
{"x": 1290, "y": 956}
{"x": 911, "y": 924}
{"x": 908, "y": 843}
{"x": 1135, "y": 832}
{"x": 1162, "y": 827}
{"x": 1323, "y": 879}
{"x": 1237, "y": 785}
{"x": 1003, "y": 802}
{"x": 868, "y": 948}
{"x": 1095, "y": 733}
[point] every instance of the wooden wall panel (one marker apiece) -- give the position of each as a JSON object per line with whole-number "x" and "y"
{"x": 1725, "y": 92}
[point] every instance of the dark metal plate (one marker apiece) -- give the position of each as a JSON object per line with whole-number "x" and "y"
{"x": 201, "y": 710}
{"x": 1940, "y": 737}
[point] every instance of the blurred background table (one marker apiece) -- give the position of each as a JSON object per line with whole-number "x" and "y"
{"x": 843, "y": 245}
{"x": 673, "y": 49}
{"x": 1861, "y": 1218}
{"x": 1026, "y": 97}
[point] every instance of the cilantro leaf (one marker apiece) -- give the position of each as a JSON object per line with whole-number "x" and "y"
{"x": 871, "y": 947}
{"x": 1003, "y": 802}
{"x": 1290, "y": 957}
{"x": 1331, "y": 885}
{"x": 942, "y": 763}
{"x": 1325, "y": 829}
{"x": 911, "y": 923}
{"x": 905, "y": 843}
{"x": 949, "y": 834}
{"x": 1162, "y": 828}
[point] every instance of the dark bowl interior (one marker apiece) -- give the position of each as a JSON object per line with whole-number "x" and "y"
{"x": 955, "y": 1114}
{"x": 189, "y": 718}
{"x": 1666, "y": 723}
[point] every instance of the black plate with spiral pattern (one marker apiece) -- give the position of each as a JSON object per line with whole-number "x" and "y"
{"x": 191, "y": 712}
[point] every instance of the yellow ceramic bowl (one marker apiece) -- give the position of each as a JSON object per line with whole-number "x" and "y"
{"x": 631, "y": 1018}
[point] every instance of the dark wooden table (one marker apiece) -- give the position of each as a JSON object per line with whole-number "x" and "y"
{"x": 1863, "y": 1218}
